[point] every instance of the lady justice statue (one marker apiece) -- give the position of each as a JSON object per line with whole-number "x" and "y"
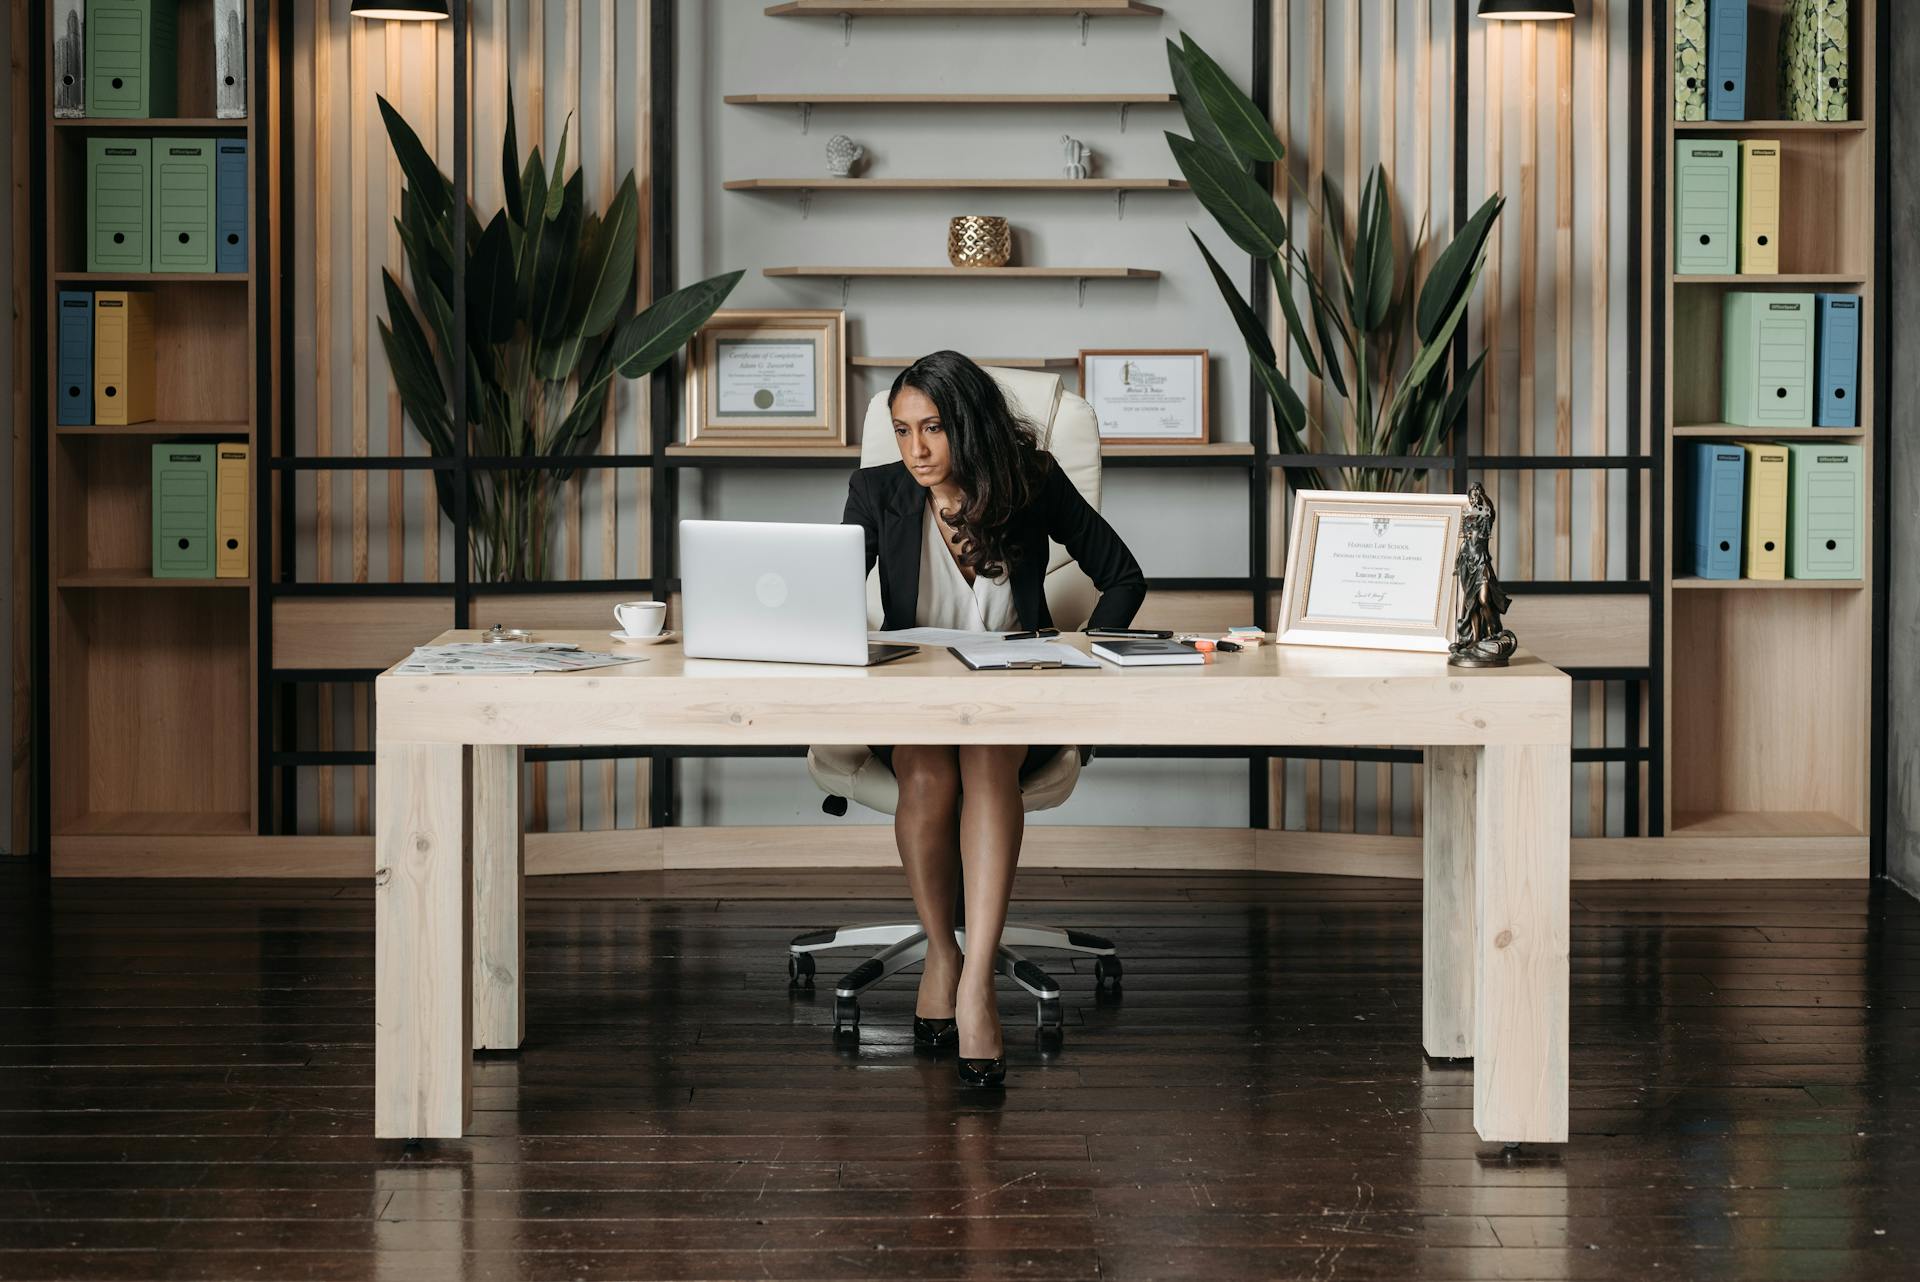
{"x": 1478, "y": 639}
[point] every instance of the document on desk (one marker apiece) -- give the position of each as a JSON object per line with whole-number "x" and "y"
{"x": 930, "y": 636}
{"x": 466, "y": 658}
{"x": 1020, "y": 654}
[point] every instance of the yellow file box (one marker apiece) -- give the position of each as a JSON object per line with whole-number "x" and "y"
{"x": 232, "y": 463}
{"x": 1766, "y": 512}
{"x": 1759, "y": 207}
{"x": 122, "y": 357}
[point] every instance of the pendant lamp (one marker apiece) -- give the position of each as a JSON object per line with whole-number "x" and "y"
{"x": 1525, "y": 10}
{"x": 431, "y": 10}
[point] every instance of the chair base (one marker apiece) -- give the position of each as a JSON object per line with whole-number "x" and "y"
{"x": 903, "y": 944}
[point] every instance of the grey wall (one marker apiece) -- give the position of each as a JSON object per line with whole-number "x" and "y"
{"x": 1903, "y": 460}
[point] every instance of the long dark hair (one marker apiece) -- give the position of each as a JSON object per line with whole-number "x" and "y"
{"x": 996, "y": 456}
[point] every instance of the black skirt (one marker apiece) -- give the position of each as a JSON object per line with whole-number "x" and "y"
{"x": 1037, "y": 756}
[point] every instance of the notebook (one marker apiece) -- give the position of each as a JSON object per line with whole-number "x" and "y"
{"x": 1146, "y": 654}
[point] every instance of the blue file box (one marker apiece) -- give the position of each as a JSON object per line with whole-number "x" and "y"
{"x": 1727, "y": 60}
{"x": 1836, "y": 360}
{"x": 1716, "y": 497}
{"x": 75, "y": 392}
{"x": 230, "y": 205}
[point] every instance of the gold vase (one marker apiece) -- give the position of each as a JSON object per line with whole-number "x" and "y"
{"x": 979, "y": 240}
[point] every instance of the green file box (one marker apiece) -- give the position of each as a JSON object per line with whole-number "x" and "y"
{"x": 1706, "y": 204}
{"x": 131, "y": 61}
{"x": 1766, "y": 359}
{"x": 119, "y": 187}
{"x": 183, "y": 204}
{"x": 1816, "y": 65}
{"x": 183, "y": 511}
{"x": 1825, "y": 500}
{"x": 1690, "y": 60}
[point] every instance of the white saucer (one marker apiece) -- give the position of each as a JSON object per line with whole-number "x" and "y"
{"x": 655, "y": 639}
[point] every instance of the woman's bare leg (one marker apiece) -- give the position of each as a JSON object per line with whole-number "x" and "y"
{"x": 926, "y": 828}
{"x": 991, "y": 823}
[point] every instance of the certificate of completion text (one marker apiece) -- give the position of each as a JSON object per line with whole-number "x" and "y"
{"x": 765, "y": 378}
{"x": 1377, "y": 569}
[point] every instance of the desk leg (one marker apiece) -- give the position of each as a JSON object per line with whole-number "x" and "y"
{"x": 1446, "y": 937}
{"x": 421, "y": 1052}
{"x": 499, "y": 929}
{"x": 1521, "y": 894}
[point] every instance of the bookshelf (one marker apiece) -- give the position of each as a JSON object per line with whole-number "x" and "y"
{"x": 1767, "y": 717}
{"x": 152, "y": 681}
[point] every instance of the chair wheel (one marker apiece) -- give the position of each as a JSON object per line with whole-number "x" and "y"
{"x": 846, "y": 1013}
{"x": 1047, "y": 1014}
{"x": 1106, "y": 970}
{"x": 1049, "y": 1042}
{"x": 800, "y": 970}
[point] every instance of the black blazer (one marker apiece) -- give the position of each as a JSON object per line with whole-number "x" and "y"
{"x": 890, "y": 506}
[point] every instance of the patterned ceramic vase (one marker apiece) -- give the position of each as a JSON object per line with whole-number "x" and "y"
{"x": 1815, "y": 65}
{"x": 979, "y": 240}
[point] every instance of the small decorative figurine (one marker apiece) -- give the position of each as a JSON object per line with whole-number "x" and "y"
{"x": 843, "y": 153}
{"x": 1478, "y": 639}
{"x": 1078, "y": 156}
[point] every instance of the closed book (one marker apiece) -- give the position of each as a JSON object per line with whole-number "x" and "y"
{"x": 1825, "y": 503}
{"x": 1760, "y": 207}
{"x": 183, "y": 490}
{"x": 232, "y": 468}
{"x": 1146, "y": 654}
{"x": 123, "y": 357}
{"x": 119, "y": 200}
{"x": 1836, "y": 355}
{"x": 130, "y": 59}
{"x": 230, "y": 205}
{"x": 75, "y": 360}
{"x": 1727, "y": 60}
{"x": 1766, "y": 512}
{"x": 69, "y": 58}
{"x": 1715, "y": 492}
{"x": 1706, "y": 199}
{"x": 1690, "y": 59}
{"x": 230, "y": 59}
{"x": 1816, "y": 65}
{"x": 183, "y": 204}
{"x": 1766, "y": 359}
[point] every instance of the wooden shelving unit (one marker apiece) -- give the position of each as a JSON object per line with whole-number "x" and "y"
{"x": 1004, "y": 273}
{"x": 152, "y": 683}
{"x": 1767, "y": 711}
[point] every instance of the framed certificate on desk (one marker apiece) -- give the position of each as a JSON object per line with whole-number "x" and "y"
{"x": 1147, "y": 396}
{"x": 1372, "y": 571}
{"x": 768, "y": 379}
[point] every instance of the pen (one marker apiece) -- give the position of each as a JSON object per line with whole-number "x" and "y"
{"x": 1036, "y": 634}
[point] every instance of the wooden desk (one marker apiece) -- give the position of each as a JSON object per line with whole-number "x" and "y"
{"x": 448, "y": 850}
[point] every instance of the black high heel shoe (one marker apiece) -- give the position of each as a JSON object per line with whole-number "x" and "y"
{"x": 935, "y": 1034}
{"x": 981, "y": 1072}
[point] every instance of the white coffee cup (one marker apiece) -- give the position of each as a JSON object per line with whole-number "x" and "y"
{"x": 641, "y": 618}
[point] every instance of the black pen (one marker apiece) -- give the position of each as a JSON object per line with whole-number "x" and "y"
{"x": 1034, "y": 635}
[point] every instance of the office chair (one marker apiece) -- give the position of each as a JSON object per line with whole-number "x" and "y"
{"x": 1068, "y": 431}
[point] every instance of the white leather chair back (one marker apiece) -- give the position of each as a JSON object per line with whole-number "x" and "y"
{"x": 1068, "y": 431}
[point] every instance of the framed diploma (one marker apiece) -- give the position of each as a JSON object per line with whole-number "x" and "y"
{"x": 769, "y": 379}
{"x": 1373, "y": 571}
{"x": 1147, "y": 396}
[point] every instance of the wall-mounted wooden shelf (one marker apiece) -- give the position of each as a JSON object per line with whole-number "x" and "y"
{"x": 1733, "y": 431}
{"x": 1199, "y": 449}
{"x": 945, "y": 99}
{"x": 1107, "y": 185}
{"x": 975, "y": 9}
{"x": 1001, "y": 273}
{"x": 725, "y": 454}
{"x": 1005, "y": 362}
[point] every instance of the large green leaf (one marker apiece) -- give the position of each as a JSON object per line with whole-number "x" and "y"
{"x": 424, "y": 178}
{"x": 1327, "y": 327}
{"x": 490, "y": 285}
{"x": 1245, "y": 210}
{"x": 1373, "y": 263}
{"x": 516, "y": 211}
{"x": 1255, "y": 334}
{"x": 557, "y": 183}
{"x": 1290, "y": 308}
{"x": 603, "y": 282}
{"x": 643, "y": 343}
{"x": 416, "y": 373}
{"x": 1455, "y": 266}
{"x": 553, "y": 271}
{"x": 1246, "y": 129}
{"x": 1193, "y": 105}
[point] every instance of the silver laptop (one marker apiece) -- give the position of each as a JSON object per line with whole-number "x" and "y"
{"x": 779, "y": 591}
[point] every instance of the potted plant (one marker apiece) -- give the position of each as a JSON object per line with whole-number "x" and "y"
{"x": 1384, "y": 358}
{"x": 550, "y": 324}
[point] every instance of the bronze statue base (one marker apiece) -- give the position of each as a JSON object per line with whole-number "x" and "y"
{"x": 1488, "y": 652}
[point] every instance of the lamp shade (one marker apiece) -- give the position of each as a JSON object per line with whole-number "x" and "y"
{"x": 1526, "y": 10}
{"x": 402, "y": 9}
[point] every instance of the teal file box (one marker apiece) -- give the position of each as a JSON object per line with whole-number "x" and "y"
{"x": 1766, "y": 359}
{"x": 1727, "y": 60}
{"x": 1825, "y": 502}
{"x": 183, "y": 511}
{"x": 183, "y": 190}
{"x": 230, "y": 206}
{"x": 74, "y": 389}
{"x": 131, "y": 57}
{"x": 1706, "y": 206}
{"x": 119, "y": 187}
{"x": 1714, "y": 491}
{"x": 1690, "y": 59}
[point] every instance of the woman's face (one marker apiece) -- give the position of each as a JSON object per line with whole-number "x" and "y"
{"x": 921, "y": 437}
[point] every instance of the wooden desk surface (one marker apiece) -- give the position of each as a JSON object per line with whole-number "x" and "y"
{"x": 1269, "y": 695}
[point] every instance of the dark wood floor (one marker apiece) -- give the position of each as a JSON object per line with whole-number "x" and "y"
{"x": 185, "y": 1069}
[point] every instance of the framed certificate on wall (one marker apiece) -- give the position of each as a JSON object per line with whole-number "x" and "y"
{"x": 1371, "y": 571}
{"x": 768, "y": 378}
{"x": 1147, "y": 396}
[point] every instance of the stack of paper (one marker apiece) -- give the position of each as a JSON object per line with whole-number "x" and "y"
{"x": 493, "y": 658}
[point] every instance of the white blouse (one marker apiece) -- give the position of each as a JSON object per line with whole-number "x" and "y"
{"x": 947, "y": 600}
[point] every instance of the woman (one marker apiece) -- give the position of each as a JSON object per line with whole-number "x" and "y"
{"x": 960, "y": 528}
